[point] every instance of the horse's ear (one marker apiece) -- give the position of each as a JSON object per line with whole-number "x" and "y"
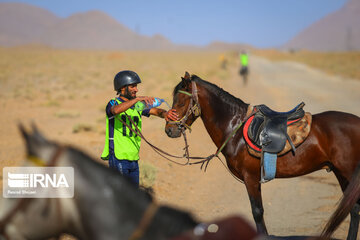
{"x": 187, "y": 76}
{"x": 186, "y": 80}
{"x": 35, "y": 129}
{"x": 37, "y": 134}
{"x": 34, "y": 140}
{"x": 27, "y": 137}
{"x": 23, "y": 131}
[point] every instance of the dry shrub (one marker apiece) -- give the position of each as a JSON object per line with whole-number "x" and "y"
{"x": 83, "y": 127}
{"x": 67, "y": 114}
{"x": 147, "y": 174}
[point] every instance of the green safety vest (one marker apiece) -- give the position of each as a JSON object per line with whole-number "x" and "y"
{"x": 244, "y": 60}
{"x": 126, "y": 143}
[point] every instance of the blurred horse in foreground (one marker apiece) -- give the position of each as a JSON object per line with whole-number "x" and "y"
{"x": 105, "y": 204}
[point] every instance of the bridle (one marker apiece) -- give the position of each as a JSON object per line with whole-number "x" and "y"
{"x": 193, "y": 108}
{"x": 23, "y": 203}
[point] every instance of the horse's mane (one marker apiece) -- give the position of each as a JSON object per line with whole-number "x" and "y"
{"x": 221, "y": 93}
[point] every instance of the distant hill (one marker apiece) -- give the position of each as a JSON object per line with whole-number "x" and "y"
{"x": 96, "y": 30}
{"x": 339, "y": 31}
{"x": 22, "y": 24}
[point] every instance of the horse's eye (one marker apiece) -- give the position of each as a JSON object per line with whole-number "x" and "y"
{"x": 181, "y": 104}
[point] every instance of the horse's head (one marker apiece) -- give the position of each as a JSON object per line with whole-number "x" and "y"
{"x": 33, "y": 218}
{"x": 186, "y": 103}
{"x": 40, "y": 151}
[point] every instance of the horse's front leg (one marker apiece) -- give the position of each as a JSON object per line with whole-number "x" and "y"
{"x": 254, "y": 191}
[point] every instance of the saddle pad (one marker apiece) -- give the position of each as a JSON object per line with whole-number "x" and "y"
{"x": 298, "y": 131}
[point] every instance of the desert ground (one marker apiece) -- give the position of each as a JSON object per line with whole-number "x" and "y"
{"x": 65, "y": 92}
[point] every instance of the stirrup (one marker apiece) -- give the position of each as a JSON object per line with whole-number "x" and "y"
{"x": 262, "y": 172}
{"x": 262, "y": 179}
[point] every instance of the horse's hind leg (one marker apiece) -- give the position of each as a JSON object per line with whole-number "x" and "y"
{"x": 254, "y": 190}
{"x": 354, "y": 222}
{"x": 354, "y": 212}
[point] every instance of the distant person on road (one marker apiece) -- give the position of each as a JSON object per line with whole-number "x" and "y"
{"x": 244, "y": 69}
{"x": 122, "y": 146}
{"x": 223, "y": 61}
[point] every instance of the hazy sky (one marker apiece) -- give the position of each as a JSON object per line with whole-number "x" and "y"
{"x": 262, "y": 23}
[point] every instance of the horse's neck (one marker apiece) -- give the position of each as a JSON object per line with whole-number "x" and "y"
{"x": 115, "y": 193}
{"x": 170, "y": 221}
{"x": 220, "y": 117}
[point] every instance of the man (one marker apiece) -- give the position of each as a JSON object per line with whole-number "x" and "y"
{"x": 244, "y": 59}
{"x": 122, "y": 145}
{"x": 244, "y": 70}
{"x": 223, "y": 61}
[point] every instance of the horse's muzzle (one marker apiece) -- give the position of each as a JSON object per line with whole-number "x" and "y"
{"x": 172, "y": 131}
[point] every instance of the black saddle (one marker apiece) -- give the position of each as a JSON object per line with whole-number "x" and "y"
{"x": 268, "y": 129}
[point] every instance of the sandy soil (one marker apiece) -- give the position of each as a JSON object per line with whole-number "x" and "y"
{"x": 297, "y": 206}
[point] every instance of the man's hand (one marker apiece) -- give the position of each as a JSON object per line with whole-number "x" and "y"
{"x": 171, "y": 115}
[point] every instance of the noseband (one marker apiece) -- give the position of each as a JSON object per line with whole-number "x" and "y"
{"x": 193, "y": 108}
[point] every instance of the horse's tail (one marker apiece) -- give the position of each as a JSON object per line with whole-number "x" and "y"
{"x": 350, "y": 197}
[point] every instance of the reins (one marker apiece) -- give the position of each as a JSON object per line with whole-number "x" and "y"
{"x": 207, "y": 160}
{"x": 145, "y": 221}
{"x": 193, "y": 108}
{"x": 159, "y": 151}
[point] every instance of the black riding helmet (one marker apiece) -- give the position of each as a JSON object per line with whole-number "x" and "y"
{"x": 125, "y": 78}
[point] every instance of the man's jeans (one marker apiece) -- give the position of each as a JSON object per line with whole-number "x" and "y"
{"x": 129, "y": 169}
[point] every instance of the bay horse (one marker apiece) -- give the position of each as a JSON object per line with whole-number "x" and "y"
{"x": 105, "y": 205}
{"x": 333, "y": 142}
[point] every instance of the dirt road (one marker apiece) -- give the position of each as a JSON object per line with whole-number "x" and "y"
{"x": 292, "y": 206}
{"x": 295, "y": 206}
